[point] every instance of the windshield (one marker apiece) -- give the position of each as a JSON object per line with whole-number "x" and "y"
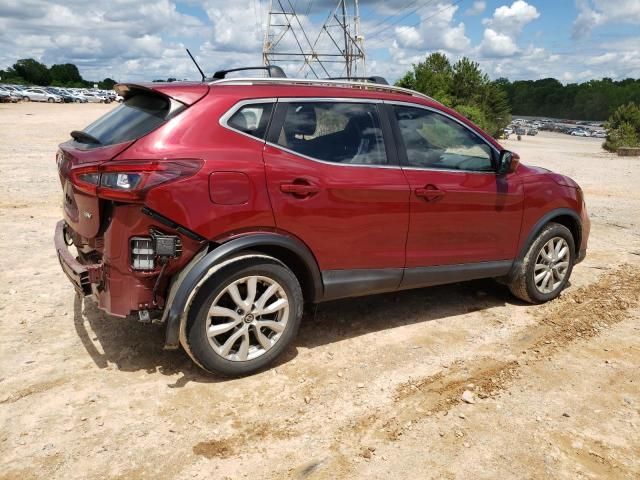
{"x": 134, "y": 118}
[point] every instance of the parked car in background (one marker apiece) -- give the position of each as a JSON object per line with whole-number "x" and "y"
{"x": 580, "y": 133}
{"x": 219, "y": 208}
{"x": 66, "y": 98}
{"x": 599, "y": 134}
{"x": 40, "y": 95}
{"x": 8, "y": 95}
{"x": 532, "y": 131}
{"x": 94, "y": 97}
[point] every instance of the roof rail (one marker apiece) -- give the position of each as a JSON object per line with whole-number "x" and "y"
{"x": 372, "y": 79}
{"x": 273, "y": 70}
{"x": 322, "y": 83}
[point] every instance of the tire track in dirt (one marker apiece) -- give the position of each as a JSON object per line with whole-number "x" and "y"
{"x": 580, "y": 314}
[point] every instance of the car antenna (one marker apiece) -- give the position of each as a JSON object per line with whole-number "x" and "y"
{"x": 197, "y": 66}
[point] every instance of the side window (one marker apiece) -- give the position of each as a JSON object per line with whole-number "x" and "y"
{"x": 433, "y": 140}
{"x": 338, "y": 132}
{"x": 252, "y": 119}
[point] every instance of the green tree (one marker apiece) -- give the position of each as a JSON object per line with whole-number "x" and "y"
{"x": 107, "y": 84}
{"x": 32, "y": 71}
{"x": 463, "y": 87}
{"x": 65, "y": 74}
{"x": 468, "y": 82}
{"x": 623, "y": 128}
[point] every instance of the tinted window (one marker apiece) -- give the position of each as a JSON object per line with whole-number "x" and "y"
{"x": 135, "y": 117}
{"x": 252, "y": 119}
{"x": 347, "y": 133}
{"x": 433, "y": 140}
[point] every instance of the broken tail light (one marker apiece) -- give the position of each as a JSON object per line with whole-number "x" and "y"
{"x": 130, "y": 181}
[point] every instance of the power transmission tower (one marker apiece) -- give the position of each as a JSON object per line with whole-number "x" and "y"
{"x": 336, "y": 51}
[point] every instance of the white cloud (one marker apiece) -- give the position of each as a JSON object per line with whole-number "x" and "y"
{"x": 496, "y": 44}
{"x": 511, "y": 20}
{"x": 433, "y": 32}
{"x": 476, "y": 9}
{"x": 502, "y": 29}
{"x": 599, "y": 12}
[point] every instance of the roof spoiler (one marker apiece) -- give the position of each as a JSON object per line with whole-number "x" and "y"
{"x": 273, "y": 70}
{"x": 373, "y": 79}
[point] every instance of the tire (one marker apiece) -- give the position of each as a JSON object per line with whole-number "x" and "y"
{"x": 246, "y": 353}
{"x": 26, "y": 99}
{"x": 50, "y": 100}
{"x": 532, "y": 282}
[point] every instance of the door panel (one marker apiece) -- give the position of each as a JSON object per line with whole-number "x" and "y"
{"x": 333, "y": 183}
{"x": 353, "y": 217}
{"x": 475, "y": 218}
{"x": 461, "y": 211}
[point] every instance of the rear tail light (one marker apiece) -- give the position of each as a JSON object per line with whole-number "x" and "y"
{"x": 130, "y": 181}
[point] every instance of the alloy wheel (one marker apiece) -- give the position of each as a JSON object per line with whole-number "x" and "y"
{"x": 551, "y": 265}
{"x": 247, "y": 318}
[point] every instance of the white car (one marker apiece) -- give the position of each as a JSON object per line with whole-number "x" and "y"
{"x": 39, "y": 95}
{"x": 580, "y": 133}
{"x": 94, "y": 97}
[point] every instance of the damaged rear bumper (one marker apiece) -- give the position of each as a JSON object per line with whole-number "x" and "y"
{"x": 81, "y": 276}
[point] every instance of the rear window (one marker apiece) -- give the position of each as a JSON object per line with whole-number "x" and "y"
{"x": 134, "y": 118}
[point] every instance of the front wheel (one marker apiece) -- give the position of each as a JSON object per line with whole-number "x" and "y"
{"x": 26, "y": 99}
{"x": 547, "y": 266}
{"x": 244, "y": 317}
{"x": 50, "y": 100}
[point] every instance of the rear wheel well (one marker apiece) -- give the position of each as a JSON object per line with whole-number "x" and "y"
{"x": 574, "y": 227}
{"x": 294, "y": 263}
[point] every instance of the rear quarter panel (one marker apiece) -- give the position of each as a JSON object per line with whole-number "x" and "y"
{"x": 196, "y": 133}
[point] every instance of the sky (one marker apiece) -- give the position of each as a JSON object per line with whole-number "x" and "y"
{"x": 136, "y": 40}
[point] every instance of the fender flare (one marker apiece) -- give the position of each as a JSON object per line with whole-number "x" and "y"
{"x": 535, "y": 230}
{"x": 186, "y": 288}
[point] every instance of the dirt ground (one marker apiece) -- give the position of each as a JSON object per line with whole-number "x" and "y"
{"x": 372, "y": 387}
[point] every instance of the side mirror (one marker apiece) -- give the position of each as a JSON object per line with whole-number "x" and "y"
{"x": 507, "y": 162}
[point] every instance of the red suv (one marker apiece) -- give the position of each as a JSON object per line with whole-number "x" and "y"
{"x": 219, "y": 208}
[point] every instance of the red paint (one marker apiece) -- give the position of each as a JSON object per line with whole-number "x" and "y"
{"x": 475, "y": 217}
{"x": 229, "y": 188}
{"x": 350, "y": 217}
{"x": 357, "y": 219}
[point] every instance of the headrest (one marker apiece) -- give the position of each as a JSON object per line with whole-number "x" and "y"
{"x": 302, "y": 120}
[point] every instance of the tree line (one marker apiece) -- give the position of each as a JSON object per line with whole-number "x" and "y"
{"x": 464, "y": 87}
{"x": 592, "y": 100}
{"x": 28, "y": 71}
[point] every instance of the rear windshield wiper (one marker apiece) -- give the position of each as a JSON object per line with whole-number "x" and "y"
{"x": 84, "y": 137}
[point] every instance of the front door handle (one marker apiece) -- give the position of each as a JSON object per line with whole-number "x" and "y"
{"x": 429, "y": 193}
{"x": 299, "y": 189}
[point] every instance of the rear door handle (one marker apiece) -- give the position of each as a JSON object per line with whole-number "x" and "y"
{"x": 429, "y": 193}
{"x": 299, "y": 189}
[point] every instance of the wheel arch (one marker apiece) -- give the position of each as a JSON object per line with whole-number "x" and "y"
{"x": 286, "y": 249}
{"x": 564, "y": 216}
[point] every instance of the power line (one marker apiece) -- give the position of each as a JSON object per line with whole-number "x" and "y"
{"x": 415, "y": 10}
{"x": 419, "y": 22}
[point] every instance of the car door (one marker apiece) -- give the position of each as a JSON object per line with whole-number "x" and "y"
{"x": 462, "y": 212}
{"x": 334, "y": 183}
{"x": 39, "y": 95}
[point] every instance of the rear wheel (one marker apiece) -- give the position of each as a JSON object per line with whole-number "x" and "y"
{"x": 245, "y": 316}
{"x": 26, "y": 99}
{"x": 547, "y": 266}
{"x": 50, "y": 100}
